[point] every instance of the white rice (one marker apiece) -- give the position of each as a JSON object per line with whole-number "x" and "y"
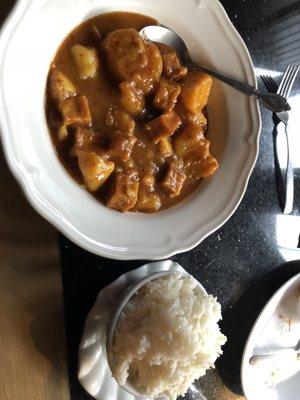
{"x": 167, "y": 336}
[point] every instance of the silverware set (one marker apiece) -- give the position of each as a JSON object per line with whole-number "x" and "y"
{"x": 283, "y": 161}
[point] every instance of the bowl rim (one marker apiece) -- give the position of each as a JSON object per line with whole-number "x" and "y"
{"x": 45, "y": 209}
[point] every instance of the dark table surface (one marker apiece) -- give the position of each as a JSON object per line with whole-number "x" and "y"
{"x": 245, "y": 261}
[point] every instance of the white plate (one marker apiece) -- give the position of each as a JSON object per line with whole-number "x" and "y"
{"x": 278, "y": 325}
{"x": 94, "y": 373}
{"x": 29, "y": 40}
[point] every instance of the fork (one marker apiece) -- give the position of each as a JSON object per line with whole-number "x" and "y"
{"x": 282, "y": 127}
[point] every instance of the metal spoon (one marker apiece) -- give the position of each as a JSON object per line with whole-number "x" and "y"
{"x": 160, "y": 34}
{"x": 275, "y": 353}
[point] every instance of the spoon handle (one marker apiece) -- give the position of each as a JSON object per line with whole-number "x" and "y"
{"x": 272, "y": 101}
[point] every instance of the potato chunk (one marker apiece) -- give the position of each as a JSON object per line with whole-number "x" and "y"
{"x": 186, "y": 116}
{"x": 188, "y": 139}
{"x": 133, "y": 59}
{"x": 166, "y": 95}
{"x": 174, "y": 179}
{"x": 95, "y": 169}
{"x": 192, "y": 146}
{"x": 84, "y": 139}
{"x": 201, "y": 163}
{"x": 75, "y": 110}
{"x": 125, "y": 193}
{"x": 148, "y": 201}
{"x": 119, "y": 120}
{"x": 163, "y": 126}
{"x": 86, "y": 60}
{"x": 132, "y": 100}
{"x": 165, "y": 147}
{"x": 195, "y": 90}
{"x": 60, "y": 86}
{"x": 121, "y": 145}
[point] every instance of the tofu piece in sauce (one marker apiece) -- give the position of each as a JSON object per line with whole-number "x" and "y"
{"x": 94, "y": 168}
{"x": 174, "y": 179}
{"x": 75, "y": 110}
{"x": 121, "y": 145}
{"x": 166, "y": 95}
{"x": 125, "y": 192}
{"x": 163, "y": 126}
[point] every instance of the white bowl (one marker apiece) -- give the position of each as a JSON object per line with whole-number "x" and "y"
{"x": 123, "y": 300}
{"x": 29, "y": 40}
{"x": 93, "y": 371}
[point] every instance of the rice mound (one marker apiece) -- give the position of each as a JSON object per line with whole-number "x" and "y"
{"x": 166, "y": 337}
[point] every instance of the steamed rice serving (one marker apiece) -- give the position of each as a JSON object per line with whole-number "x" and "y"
{"x": 166, "y": 337}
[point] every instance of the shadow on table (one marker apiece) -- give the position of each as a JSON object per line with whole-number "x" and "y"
{"x": 238, "y": 321}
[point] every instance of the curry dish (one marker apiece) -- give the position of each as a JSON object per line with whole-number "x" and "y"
{"x": 127, "y": 120}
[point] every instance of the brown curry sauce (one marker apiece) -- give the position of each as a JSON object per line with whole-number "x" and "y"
{"x": 102, "y": 91}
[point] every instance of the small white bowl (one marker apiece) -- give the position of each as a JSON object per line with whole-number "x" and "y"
{"x": 118, "y": 310}
{"x": 94, "y": 372}
{"x": 28, "y": 42}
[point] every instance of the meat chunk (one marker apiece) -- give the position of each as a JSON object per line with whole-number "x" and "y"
{"x": 95, "y": 169}
{"x": 133, "y": 59}
{"x": 132, "y": 99}
{"x": 172, "y": 68}
{"x": 194, "y": 148}
{"x": 84, "y": 139}
{"x": 125, "y": 193}
{"x": 75, "y": 110}
{"x": 119, "y": 120}
{"x": 165, "y": 147}
{"x": 148, "y": 201}
{"x": 188, "y": 139}
{"x": 174, "y": 179}
{"x": 163, "y": 126}
{"x": 166, "y": 95}
{"x": 195, "y": 90}
{"x": 121, "y": 145}
{"x": 86, "y": 60}
{"x": 60, "y": 86}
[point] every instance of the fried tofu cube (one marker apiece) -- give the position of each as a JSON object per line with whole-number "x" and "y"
{"x": 132, "y": 100}
{"x": 166, "y": 95}
{"x": 84, "y": 139}
{"x": 119, "y": 120}
{"x": 174, "y": 179}
{"x": 148, "y": 200}
{"x": 172, "y": 68}
{"x": 75, "y": 110}
{"x": 61, "y": 87}
{"x": 125, "y": 193}
{"x": 187, "y": 139}
{"x": 86, "y": 60}
{"x": 121, "y": 145}
{"x": 163, "y": 126}
{"x": 195, "y": 90}
{"x": 165, "y": 147}
{"x": 95, "y": 169}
